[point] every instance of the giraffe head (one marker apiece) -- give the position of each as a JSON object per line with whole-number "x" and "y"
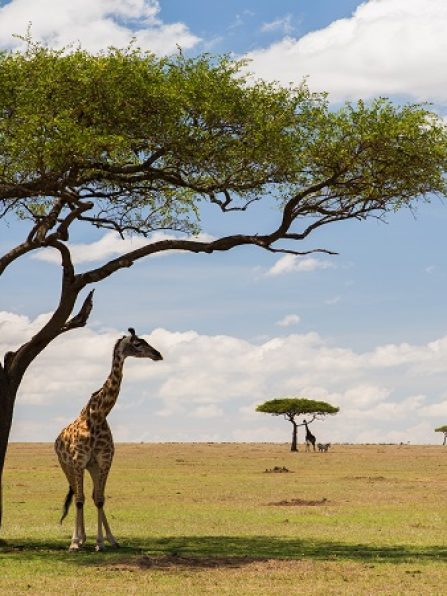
{"x": 132, "y": 345}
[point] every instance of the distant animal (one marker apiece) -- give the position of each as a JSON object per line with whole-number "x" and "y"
{"x": 310, "y": 438}
{"x": 87, "y": 443}
{"x": 323, "y": 446}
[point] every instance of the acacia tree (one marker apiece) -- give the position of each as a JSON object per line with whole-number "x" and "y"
{"x": 130, "y": 142}
{"x": 293, "y": 407}
{"x": 442, "y": 429}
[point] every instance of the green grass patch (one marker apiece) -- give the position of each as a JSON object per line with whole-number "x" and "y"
{"x": 199, "y": 518}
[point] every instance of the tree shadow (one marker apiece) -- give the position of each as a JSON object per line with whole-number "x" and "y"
{"x": 217, "y": 551}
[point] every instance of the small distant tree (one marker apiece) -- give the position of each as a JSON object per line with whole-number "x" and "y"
{"x": 442, "y": 429}
{"x": 292, "y": 407}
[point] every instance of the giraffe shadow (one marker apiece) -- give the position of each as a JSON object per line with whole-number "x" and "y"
{"x": 217, "y": 551}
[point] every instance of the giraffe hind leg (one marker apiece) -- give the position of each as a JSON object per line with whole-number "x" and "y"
{"x": 99, "y": 478}
{"x": 75, "y": 478}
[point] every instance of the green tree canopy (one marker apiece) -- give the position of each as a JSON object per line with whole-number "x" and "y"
{"x": 296, "y": 406}
{"x": 129, "y": 141}
{"x": 442, "y": 429}
{"x": 292, "y": 407}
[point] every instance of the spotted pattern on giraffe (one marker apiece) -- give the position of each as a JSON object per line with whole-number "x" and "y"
{"x": 87, "y": 442}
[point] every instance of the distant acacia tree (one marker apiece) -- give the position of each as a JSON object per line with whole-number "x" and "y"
{"x": 130, "y": 142}
{"x": 291, "y": 408}
{"x": 442, "y": 429}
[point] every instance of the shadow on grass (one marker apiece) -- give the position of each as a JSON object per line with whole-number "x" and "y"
{"x": 217, "y": 551}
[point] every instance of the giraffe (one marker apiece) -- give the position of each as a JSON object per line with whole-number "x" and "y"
{"x": 87, "y": 443}
{"x": 310, "y": 438}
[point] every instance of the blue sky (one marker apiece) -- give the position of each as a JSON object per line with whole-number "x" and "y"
{"x": 237, "y": 26}
{"x": 365, "y": 330}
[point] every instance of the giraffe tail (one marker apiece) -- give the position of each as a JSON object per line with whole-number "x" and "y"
{"x": 67, "y": 503}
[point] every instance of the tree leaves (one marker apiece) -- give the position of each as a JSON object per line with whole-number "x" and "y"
{"x": 292, "y": 406}
{"x": 148, "y": 139}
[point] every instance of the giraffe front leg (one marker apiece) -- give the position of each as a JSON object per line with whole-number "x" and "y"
{"x": 99, "y": 535}
{"x": 99, "y": 478}
{"x": 109, "y": 534}
{"x": 82, "y": 534}
{"x": 103, "y": 523}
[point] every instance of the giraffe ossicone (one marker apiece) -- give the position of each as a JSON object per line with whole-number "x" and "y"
{"x": 87, "y": 443}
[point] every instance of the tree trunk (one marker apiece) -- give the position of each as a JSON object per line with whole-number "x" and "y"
{"x": 7, "y": 399}
{"x": 16, "y": 363}
{"x": 294, "y": 445}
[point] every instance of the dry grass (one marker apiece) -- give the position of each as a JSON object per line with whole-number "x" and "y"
{"x": 205, "y": 518}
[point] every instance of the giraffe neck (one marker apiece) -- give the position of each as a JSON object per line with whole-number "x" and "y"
{"x": 103, "y": 400}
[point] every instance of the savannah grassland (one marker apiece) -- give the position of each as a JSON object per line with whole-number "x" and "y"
{"x": 207, "y": 518}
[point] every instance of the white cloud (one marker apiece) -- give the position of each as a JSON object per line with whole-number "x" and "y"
{"x": 410, "y": 435}
{"x": 211, "y": 411}
{"x": 294, "y": 263}
{"x": 95, "y": 24}
{"x": 428, "y": 358}
{"x": 289, "y": 320}
{"x": 108, "y": 246}
{"x": 240, "y": 19}
{"x": 383, "y": 394}
{"x": 333, "y": 300}
{"x": 436, "y": 410}
{"x": 363, "y": 396}
{"x": 283, "y": 24}
{"x": 386, "y": 47}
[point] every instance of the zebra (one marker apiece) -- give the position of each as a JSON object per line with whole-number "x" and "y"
{"x": 323, "y": 446}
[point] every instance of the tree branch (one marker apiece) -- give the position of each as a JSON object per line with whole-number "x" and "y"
{"x": 222, "y": 244}
{"x": 314, "y": 416}
{"x": 225, "y": 204}
{"x": 127, "y": 259}
{"x": 17, "y": 252}
{"x": 47, "y": 222}
{"x": 76, "y": 213}
{"x": 67, "y": 264}
{"x": 22, "y": 358}
{"x": 81, "y": 318}
{"x": 300, "y": 253}
{"x": 17, "y": 362}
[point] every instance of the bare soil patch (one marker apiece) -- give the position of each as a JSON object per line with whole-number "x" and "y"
{"x": 369, "y": 478}
{"x": 176, "y": 562}
{"x": 301, "y": 503}
{"x": 277, "y": 470}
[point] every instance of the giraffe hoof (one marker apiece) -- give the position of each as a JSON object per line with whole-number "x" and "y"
{"x": 99, "y": 548}
{"x": 74, "y": 548}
